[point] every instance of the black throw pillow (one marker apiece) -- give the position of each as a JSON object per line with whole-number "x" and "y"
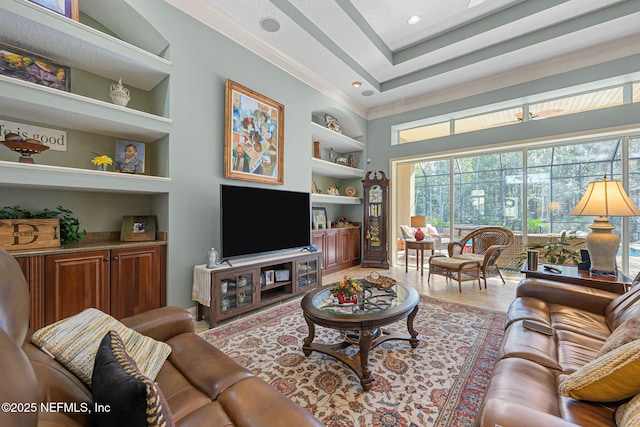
{"x": 122, "y": 395}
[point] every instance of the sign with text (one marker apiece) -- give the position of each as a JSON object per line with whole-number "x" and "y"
{"x": 53, "y": 138}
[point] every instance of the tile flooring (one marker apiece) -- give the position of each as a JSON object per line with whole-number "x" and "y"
{"x": 497, "y": 296}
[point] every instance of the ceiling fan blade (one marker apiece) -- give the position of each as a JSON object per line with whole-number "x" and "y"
{"x": 473, "y": 3}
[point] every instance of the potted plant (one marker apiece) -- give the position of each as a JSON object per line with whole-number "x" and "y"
{"x": 69, "y": 225}
{"x": 560, "y": 250}
{"x": 346, "y": 290}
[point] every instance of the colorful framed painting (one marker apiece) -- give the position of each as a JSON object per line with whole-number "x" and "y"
{"x": 28, "y": 66}
{"x": 318, "y": 218}
{"x": 253, "y": 136}
{"x": 138, "y": 228}
{"x": 68, "y": 8}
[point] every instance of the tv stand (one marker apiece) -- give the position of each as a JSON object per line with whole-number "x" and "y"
{"x": 252, "y": 283}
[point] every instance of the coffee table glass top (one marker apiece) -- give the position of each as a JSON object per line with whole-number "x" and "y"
{"x": 371, "y": 300}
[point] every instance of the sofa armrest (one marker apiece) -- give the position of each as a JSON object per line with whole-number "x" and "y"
{"x": 161, "y": 323}
{"x": 577, "y": 296}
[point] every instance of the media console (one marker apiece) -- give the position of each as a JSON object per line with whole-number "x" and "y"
{"x": 252, "y": 283}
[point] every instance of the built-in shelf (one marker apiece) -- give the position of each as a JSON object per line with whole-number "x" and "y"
{"x": 335, "y": 200}
{"x": 323, "y": 167}
{"x": 71, "y": 43}
{"x": 24, "y": 175}
{"x": 21, "y": 100}
{"x": 331, "y": 139}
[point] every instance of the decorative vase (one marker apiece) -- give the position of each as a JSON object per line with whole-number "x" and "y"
{"x": 101, "y": 167}
{"x": 119, "y": 94}
{"x": 419, "y": 235}
{"x": 343, "y": 299}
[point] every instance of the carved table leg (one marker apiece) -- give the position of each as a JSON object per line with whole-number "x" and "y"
{"x": 366, "y": 338}
{"x": 414, "y": 334}
{"x": 306, "y": 346}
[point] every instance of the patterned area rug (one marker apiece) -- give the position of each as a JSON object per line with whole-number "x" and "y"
{"x": 439, "y": 383}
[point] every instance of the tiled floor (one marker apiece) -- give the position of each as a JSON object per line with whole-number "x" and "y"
{"x": 497, "y": 296}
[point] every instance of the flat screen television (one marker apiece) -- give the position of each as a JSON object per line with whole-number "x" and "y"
{"x": 257, "y": 220}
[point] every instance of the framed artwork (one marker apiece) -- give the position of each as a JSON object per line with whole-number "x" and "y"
{"x": 68, "y": 8}
{"x": 253, "y": 136}
{"x": 130, "y": 156}
{"x": 138, "y": 228}
{"x": 269, "y": 277}
{"x": 28, "y": 66}
{"x": 319, "y": 218}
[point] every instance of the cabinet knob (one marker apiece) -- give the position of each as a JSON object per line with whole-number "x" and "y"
{"x": 106, "y": 260}
{"x": 116, "y": 258}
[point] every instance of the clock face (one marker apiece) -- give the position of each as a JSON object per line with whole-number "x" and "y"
{"x": 375, "y": 194}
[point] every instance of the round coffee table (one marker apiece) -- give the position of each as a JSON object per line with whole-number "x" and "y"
{"x": 360, "y": 323}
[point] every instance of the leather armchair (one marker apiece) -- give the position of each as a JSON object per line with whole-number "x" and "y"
{"x": 202, "y": 385}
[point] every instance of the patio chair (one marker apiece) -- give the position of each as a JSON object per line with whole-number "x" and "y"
{"x": 485, "y": 244}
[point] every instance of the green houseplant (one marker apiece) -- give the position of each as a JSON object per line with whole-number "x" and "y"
{"x": 559, "y": 251}
{"x": 69, "y": 225}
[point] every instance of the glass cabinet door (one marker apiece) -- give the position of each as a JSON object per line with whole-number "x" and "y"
{"x": 236, "y": 291}
{"x": 307, "y": 273}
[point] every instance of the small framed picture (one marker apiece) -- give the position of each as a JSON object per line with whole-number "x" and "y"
{"x": 33, "y": 68}
{"x": 138, "y": 228}
{"x": 68, "y": 8}
{"x": 130, "y": 156}
{"x": 319, "y": 218}
{"x": 282, "y": 275}
{"x": 269, "y": 278}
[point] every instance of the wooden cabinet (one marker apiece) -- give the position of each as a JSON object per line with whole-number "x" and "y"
{"x": 250, "y": 284}
{"x": 340, "y": 247}
{"x": 74, "y": 282}
{"x": 119, "y": 279}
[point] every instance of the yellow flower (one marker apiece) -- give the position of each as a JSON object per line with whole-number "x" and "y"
{"x": 102, "y": 160}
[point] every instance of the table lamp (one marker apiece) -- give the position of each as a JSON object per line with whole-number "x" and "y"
{"x": 417, "y": 222}
{"x": 604, "y": 198}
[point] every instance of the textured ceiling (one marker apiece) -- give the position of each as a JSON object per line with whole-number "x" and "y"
{"x": 457, "y": 46}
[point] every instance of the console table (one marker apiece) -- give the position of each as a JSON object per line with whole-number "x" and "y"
{"x": 419, "y": 246}
{"x": 571, "y": 274}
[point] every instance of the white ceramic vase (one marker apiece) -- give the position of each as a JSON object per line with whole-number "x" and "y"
{"x": 119, "y": 94}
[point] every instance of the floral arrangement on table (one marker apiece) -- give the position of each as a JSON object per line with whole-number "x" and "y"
{"x": 346, "y": 290}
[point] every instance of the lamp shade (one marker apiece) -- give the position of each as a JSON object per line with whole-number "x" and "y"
{"x": 419, "y": 221}
{"x": 605, "y": 198}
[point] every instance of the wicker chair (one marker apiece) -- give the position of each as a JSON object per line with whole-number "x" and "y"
{"x": 487, "y": 243}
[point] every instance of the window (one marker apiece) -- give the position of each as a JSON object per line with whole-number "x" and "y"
{"x": 487, "y": 121}
{"x": 575, "y": 104}
{"x": 424, "y": 132}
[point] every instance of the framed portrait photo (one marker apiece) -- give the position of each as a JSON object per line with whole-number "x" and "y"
{"x": 253, "y": 136}
{"x": 130, "y": 156}
{"x": 68, "y": 8}
{"x": 269, "y": 278}
{"x": 138, "y": 228}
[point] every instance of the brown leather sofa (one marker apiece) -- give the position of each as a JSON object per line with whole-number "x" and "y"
{"x": 203, "y": 386}
{"x": 524, "y": 385}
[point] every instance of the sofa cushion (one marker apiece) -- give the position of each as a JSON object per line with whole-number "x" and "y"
{"x": 74, "y": 342}
{"x": 628, "y": 415}
{"x": 625, "y": 333}
{"x": 129, "y": 397}
{"x": 611, "y": 377}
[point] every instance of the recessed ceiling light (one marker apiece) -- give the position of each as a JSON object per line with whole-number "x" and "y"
{"x": 367, "y": 93}
{"x": 270, "y": 24}
{"x": 413, "y": 20}
{"x": 356, "y": 84}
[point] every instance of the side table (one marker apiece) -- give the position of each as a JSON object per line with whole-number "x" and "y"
{"x": 571, "y": 274}
{"x": 419, "y": 246}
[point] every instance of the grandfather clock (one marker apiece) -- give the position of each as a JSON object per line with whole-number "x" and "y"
{"x": 376, "y": 192}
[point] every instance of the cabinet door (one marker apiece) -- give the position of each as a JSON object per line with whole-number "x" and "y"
{"x": 344, "y": 240}
{"x": 308, "y": 273}
{"x": 135, "y": 281}
{"x": 355, "y": 244}
{"x": 234, "y": 290}
{"x": 75, "y": 282}
{"x": 331, "y": 249}
{"x": 319, "y": 241}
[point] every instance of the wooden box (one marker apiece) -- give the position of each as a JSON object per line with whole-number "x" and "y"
{"x": 19, "y": 234}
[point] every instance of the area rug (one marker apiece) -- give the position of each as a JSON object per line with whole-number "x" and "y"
{"x": 439, "y": 383}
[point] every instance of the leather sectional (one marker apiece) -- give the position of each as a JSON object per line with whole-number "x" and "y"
{"x": 523, "y": 391}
